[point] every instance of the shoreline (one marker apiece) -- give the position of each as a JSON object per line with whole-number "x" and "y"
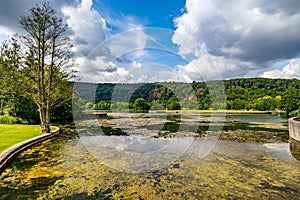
{"x": 220, "y": 111}
{"x": 105, "y": 112}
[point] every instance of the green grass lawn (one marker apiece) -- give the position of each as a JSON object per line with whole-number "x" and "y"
{"x": 13, "y": 134}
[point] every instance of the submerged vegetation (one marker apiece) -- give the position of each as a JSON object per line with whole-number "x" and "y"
{"x": 53, "y": 170}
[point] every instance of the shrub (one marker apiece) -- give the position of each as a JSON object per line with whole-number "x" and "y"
{"x": 8, "y": 120}
{"x": 26, "y": 110}
{"x": 21, "y": 121}
{"x": 295, "y": 113}
{"x": 141, "y": 104}
{"x": 12, "y": 120}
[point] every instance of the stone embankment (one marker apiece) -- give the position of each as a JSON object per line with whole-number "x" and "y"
{"x": 294, "y": 128}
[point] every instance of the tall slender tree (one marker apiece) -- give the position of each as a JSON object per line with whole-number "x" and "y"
{"x": 48, "y": 60}
{"x": 2, "y": 78}
{"x": 10, "y": 61}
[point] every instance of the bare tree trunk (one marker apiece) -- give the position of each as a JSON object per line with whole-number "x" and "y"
{"x": 48, "y": 102}
{"x": 43, "y": 117}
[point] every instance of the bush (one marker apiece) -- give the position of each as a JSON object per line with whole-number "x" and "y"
{"x": 120, "y": 106}
{"x": 21, "y": 121}
{"x": 26, "y": 110}
{"x": 173, "y": 105}
{"x": 295, "y": 113}
{"x": 12, "y": 120}
{"x": 64, "y": 113}
{"x": 102, "y": 105}
{"x": 8, "y": 120}
{"x": 141, "y": 104}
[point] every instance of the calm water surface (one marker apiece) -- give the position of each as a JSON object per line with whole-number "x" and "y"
{"x": 161, "y": 157}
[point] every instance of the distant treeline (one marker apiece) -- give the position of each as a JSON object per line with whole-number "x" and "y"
{"x": 236, "y": 94}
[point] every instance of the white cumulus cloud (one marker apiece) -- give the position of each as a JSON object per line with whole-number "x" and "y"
{"x": 100, "y": 55}
{"x": 244, "y": 36}
{"x": 291, "y": 70}
{"x": 88, "y": 26}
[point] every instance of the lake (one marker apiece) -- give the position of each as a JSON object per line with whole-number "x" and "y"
{"x": 161, "y": 156}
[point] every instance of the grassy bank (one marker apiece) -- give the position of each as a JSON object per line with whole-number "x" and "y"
{"x": 13, "y": 134}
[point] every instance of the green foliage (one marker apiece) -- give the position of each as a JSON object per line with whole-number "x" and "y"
{"x": 12, "y": 120}
{"x": 36, "y": 66}
{"x": 237, "y": 104}
{"x": 46, "y": 60}
{"x": 25, "y": 109}
{"x": 64, "y": 114}
{"x": 266, "y": 103}
{"x": 102, "y": 105}
{"x": 89, "y": 106}
{"x": 77, "y": 106}
{"x": 158, "y": 105}
{"x": 10, "y": 70}
{"x": 121, "y": 106}
{"x": 104, "y": 92}
{"x": 189, "y": 105}
{"x": 260, "y": 94}
{"x": 290, "y": 99}
{"x": 241, "y": 94}
{"x": 173, "y": 104}
{"x": 8, "y": 120}
{"x": 141, "y": 104}
{"x": 295, "y": 113}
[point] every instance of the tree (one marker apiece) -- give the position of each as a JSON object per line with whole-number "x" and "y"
{"x": 48, "y": 54}
{"x": 10, "y": 61}
{"x": 158, "y": 105}
{"x": 290, "y": 100}
{"x": 25, "y": 109}
{"x": 3, "y": 91}
{"x": 141, "y": 104}
{"x": 266, "y": 103}
{"x": 173, "y": 104}
{"x": 102, "y": 105}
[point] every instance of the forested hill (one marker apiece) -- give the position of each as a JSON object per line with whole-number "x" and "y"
{"x": 241, "y": 94}
{"x": 263, "y": 94}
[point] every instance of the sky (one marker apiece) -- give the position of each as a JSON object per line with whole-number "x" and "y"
{"x": 174, "y": 40}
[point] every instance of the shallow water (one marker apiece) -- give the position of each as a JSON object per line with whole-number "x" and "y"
{"x": 153, "y": 167}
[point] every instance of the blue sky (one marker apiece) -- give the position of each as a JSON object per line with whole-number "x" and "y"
{"x": 141, "y": 41}
{"x": 153, "y": 13}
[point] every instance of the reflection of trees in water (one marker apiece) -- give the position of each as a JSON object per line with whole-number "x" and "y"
{"x": 295, "y": 148}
